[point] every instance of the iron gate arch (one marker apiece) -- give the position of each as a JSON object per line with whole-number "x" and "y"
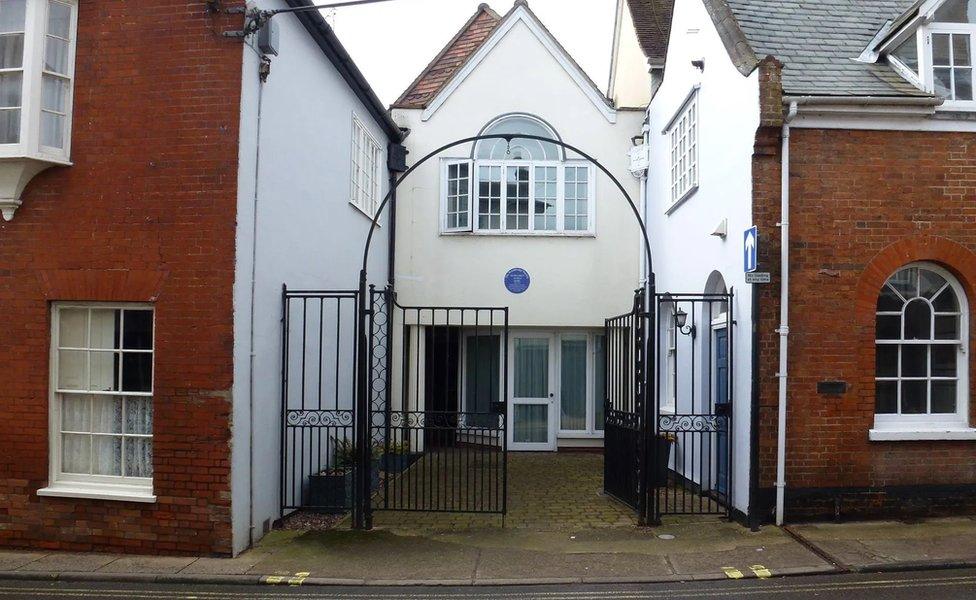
{"x": 373, "y": 410}
{"x": 363, "y": 505}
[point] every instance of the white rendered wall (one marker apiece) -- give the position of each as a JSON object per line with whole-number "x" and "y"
{"x": 576, "y": 281}
{"x": 630, "y": 78}
{"x": 685, "y": 252}
{"x": 309, "y": 236}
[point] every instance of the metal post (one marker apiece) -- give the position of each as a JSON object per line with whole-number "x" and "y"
{"x": 284, "y": 397}
{"x": 361, "y": 471}
{"x": 651, "y": 412}
{"x": 644, "y": 465}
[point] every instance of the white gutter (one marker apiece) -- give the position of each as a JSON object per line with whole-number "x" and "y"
{"x": 784, "y": 314}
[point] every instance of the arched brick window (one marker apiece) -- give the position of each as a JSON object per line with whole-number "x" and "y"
{"x": 921, "y": 374}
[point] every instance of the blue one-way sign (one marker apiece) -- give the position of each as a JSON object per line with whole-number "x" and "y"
{"x": 750, "y": 248}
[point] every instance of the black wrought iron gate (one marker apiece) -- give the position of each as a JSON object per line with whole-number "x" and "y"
{"x": 438, "y": 380}
{"x": 668, "y": 438}
{"x": 624, "y": 434}
{"x": 318, "y": 392}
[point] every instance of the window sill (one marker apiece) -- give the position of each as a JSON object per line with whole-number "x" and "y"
{"x": 523, "y": 234}
{"x": 677, "y": 203}
{"x": 932, "y": 434}
{"x": 92, "y": 492}
{"x": 579, "y": 435}
{"x": 360, "y": 210}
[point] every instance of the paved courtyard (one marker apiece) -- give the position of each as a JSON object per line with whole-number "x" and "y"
{"x": 546, "y": 492}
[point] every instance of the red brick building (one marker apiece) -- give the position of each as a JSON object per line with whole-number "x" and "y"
{"x": 127, "y": 138}
{"x": 868, "y": 107}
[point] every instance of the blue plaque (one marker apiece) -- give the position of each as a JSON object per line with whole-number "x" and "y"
{"x": 517, "y": 281}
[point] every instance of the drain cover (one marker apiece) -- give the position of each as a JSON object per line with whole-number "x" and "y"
{"x": 666, "y": 536}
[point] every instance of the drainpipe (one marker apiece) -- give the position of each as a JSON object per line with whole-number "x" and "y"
{"x": 642, "y": 201}
{"x": 784, "y": 313}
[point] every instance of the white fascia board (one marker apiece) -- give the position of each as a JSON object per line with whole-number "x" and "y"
{"x": 521, "y": 15}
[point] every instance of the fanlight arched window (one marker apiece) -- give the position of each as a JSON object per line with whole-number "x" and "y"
{"x": 522, "y": 186}
{"x": 921, "y": 339}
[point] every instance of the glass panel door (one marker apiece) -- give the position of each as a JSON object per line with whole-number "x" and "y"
{"x": 532, "y": 400}
{"x": 572, "y": 379}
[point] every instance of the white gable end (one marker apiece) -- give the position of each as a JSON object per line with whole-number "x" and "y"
{"x": 523, "y": 19}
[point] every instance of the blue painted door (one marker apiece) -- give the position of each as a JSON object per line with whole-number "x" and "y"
{"x": 722, "y": 408}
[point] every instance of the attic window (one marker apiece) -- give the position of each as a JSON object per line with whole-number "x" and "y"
{"x": 952, "y": 65}
{"x": 907, "y": 53}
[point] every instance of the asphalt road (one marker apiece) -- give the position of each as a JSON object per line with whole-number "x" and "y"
{"x": 944, "y": 585}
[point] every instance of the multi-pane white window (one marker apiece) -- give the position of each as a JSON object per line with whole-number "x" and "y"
{"x": 952, "y": 65}
{"x": 520, "y": 186}
{"x": 37, "y": 43}
{"x": 101, "y": 405}
{"x": 921, "y": 333}
{"x": 367, "y": 157}
{"x": 458, "y": 195}
{"x": 56, "y": 76}
{"x": 683, "y": 136}
{"x": 13, "y": 30}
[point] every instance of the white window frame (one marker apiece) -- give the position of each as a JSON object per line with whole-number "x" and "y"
{"x": 592, "y": 394}
{"x": 532, "y": 165}
{"x": 364, "y": 194}
{"x": 927, "y": 73}
{"x": 684, "y": 126}
{"x": 445, "y": 212}
{"x": 671, "y": 362}
{"x": 889, "y": 427}
{"x": 35, "y": 38}
{"x": 72, "y": 485}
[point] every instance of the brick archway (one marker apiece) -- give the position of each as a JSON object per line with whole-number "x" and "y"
{"x": 958, "y": 259}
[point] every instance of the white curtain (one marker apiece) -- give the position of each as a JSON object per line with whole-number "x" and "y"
{"x": 572, "y": 391}
{"x": 531, "y": 368}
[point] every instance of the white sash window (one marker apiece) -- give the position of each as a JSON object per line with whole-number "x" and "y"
{"x": 101, "y": 401}
{"x": 520, "y": 187}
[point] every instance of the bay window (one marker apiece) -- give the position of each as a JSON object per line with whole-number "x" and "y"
{"x": 519, "y": 187}
{"x": 101, "y": 412}
{"x": 37, "y": 48}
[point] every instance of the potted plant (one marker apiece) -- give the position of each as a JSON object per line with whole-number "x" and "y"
{"x": 664, "y": 442}
{"x": 397, "y": 457}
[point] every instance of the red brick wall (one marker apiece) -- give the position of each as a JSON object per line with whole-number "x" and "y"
{"x": 862, "y": 204}
{"x": 147, "y": 213}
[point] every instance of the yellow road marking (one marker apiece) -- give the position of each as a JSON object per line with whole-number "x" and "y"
{"x": 732, "y": 572}
{"x": 761, "y": 571}
{"x": 299, "y": 578}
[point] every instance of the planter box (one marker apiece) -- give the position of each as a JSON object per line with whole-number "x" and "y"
{"x": 331, "y": 490}
{"x": 334, "y": 489}
{"x": 398, "y": 463}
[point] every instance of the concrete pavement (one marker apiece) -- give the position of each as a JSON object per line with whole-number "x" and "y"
{"x": 687, "y": 550}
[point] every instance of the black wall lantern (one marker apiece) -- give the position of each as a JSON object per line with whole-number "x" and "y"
{"x": 681, "y": 320}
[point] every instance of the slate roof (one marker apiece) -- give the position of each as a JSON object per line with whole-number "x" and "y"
{"x": 817, "y": 41}
{"x": 652, "y": 22}
{"x": 450, "y": 59}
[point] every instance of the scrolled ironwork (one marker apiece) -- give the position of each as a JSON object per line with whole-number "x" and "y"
{"x": 692, "y": 423}
{"x": 319, "y": 418}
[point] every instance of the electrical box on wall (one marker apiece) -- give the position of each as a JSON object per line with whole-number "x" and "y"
{"x": 268, "y": 38}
